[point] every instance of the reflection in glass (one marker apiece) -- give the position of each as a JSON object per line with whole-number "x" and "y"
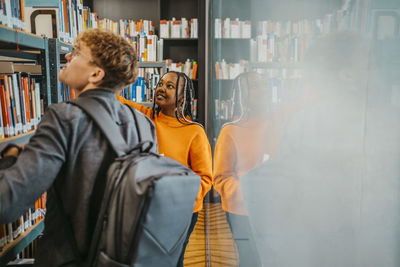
{"x": 308, "y": 165}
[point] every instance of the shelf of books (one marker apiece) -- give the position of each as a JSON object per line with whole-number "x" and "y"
{"x": 65, "y": 47}
{"x": 21, "y": 99}
{"x": 142, "y": 91}
{"x": 16, "y": 236}
{"x": 274, "y": 48}
{"x": 19, "y": 139}
{"x": 9, "y": 251}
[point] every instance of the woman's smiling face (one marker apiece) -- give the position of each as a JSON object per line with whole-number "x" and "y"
{"x": 165, "y": 92}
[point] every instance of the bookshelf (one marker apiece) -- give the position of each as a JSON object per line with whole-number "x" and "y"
{"x": 181, "y": 49}
{"x": 20, "y": 139}
{"x": 28, "y": 53}
{"x": 17, "y": 45}
{"x": 224, "y": 50}
{"x": 176, "y": 49}
{"x": 24, "y": 239}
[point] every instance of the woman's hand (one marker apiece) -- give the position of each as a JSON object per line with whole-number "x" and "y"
{"x": 12, "y": 150}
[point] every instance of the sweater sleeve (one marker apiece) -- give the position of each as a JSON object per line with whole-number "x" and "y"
{"x": 201, "y": 163}
{"x": 225, "y": 174}
{"x": 145, "y": 110}
{"x": 35, "y": 169}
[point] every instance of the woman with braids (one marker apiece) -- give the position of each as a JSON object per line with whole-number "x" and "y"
{"x": 178, "y": 136}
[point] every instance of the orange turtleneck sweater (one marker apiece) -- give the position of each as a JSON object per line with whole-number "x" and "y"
{"x": 187, "y": 144}
{"x": 239, "y": 148}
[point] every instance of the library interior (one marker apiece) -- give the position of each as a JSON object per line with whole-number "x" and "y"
{"x": 264, "y": 133}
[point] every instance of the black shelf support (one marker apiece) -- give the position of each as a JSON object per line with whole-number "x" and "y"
{"x": 54, "y": 58}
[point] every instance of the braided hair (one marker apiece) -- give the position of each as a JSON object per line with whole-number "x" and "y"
{"x": 188, "y": 100}
{"x": 241, "y": 106}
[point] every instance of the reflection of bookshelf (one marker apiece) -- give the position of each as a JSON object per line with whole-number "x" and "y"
{"x": 10, "y": 250}
{"x": 232, "y": 50}
{"x": 274, "y": 65}
{"x": 278, "y": 40}
{"x": 225, "y": 50}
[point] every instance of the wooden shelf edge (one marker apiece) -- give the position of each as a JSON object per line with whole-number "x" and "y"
{"x": 24, "y": 239}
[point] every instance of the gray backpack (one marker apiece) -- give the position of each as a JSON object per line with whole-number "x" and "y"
{"x": 148, "y": 201}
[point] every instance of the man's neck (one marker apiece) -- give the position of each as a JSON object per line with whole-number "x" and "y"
{"x": 88, "y": 87}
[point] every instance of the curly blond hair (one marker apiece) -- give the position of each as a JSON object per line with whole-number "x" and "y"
{"x": 113, "y": 54}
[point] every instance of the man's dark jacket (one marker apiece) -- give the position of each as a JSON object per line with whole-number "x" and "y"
{"x": 67, "y": 152}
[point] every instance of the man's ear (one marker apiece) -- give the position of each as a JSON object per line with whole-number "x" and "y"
{"x": 97, "y": 75}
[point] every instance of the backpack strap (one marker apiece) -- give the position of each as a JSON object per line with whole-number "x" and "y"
{"x": 107, "y": 125}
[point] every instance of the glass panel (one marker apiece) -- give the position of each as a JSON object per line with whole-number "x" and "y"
{"x": 305, "y": 132}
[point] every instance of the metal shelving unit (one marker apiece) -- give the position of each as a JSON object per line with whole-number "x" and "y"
{"x": 20, "y": 243}
{"x": 19, "y": 46}
{"x": 23, "y": 40}
{"x": 56, "y": 50}
{"x": 154, "y": 64}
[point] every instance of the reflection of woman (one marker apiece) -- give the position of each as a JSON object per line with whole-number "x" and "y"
{"x": 241, "y": 146}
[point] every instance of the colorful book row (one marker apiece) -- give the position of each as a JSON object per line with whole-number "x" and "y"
{"x": 182, "y": 28}
{"x": 9, "y": 232}
{"x": 229, "y": 71}
{"x": 12, "y": 13}
{"x": 143, "y": 89}
{"x": 69, "y": 17}
{"x": 20, "y": 103}
{"x": 189, "y": 67}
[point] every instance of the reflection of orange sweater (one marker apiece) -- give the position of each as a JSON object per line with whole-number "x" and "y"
{"x": 187, "y": 144}
{"x": 239, "y": 148}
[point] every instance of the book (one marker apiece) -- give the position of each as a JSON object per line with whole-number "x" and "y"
{"x": 164, "y": 28}
{"x": 235, "y": 29}
{"x": 218, "y": 28}
{"x": 176, "y": 29}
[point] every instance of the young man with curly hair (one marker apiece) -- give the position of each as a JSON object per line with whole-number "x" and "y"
{"x": 69, "y": 156}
